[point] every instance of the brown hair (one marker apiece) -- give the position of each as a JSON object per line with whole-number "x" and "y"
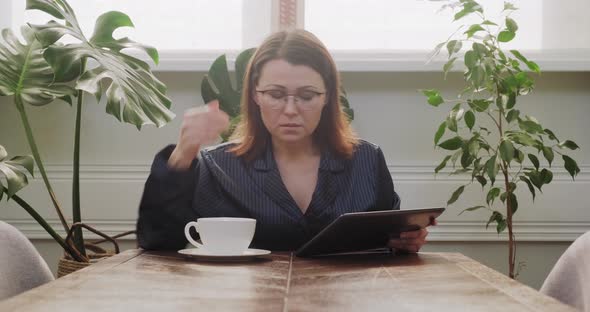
{"x": 298, "y": 47}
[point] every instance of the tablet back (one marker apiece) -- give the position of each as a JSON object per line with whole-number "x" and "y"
{"x": 360, "y": 231}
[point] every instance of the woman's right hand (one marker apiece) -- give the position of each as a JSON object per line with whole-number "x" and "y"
{"x": 199, "y": 126}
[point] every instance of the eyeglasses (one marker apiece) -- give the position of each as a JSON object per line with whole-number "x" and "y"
{"x": 277, "y": 99}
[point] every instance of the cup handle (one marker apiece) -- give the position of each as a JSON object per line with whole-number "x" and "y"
{"x": 188, "y": 234}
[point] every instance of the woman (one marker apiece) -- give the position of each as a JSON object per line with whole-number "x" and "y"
{"x": 294, "y": 164}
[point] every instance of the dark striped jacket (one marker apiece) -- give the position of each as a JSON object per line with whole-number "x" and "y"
{"x": 220, "y": 184}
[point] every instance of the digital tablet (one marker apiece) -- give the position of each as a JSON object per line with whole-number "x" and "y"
{"x": 360, "y": 231}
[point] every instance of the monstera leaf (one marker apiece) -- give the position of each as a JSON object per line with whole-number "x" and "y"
{"x": 15, "y": 178}
{"x": 25, "y": 74}
{"x": 229, "y": 97}
{"x": 134, "y": 94}
{"x": 218, "y": 78}
{"x": 217, "y": 85}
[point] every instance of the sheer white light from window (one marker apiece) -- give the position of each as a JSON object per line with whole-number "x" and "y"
{"x": 408, "y": 24}
{"x": 166, "y": 25}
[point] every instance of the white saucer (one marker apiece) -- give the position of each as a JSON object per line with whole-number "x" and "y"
{"x": 204, "y": 255}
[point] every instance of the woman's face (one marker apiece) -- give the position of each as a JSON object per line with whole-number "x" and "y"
{"x": 291, "y": 99}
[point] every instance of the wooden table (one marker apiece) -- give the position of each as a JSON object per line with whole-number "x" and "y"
{"x": 136, "y": 280}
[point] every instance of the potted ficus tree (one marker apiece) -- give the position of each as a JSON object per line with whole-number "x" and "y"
{"x": 40, "y": 70}
{"x": 217, "y": 85}
{"x": 507, "y": 155}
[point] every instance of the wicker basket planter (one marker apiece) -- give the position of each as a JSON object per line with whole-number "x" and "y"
{"x": 66, "y": 265}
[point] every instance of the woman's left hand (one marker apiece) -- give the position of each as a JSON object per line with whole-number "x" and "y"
{"x": 410, "y": 241}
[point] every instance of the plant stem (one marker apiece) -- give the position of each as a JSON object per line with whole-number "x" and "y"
{"x": 37, "y": 156}
{"x": 511, "y": 242}
{"x": 78, "y": 237}
{"x": 73, "y": 253}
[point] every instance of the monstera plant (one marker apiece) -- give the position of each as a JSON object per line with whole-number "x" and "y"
{"x": 217, "y": 85}
{"x": 510, "y": 150}
{"x": 41, "y": 70}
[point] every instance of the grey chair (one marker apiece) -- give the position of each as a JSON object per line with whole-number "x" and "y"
{"x": 569, "y": 280}
{"x": 21, "y": 266}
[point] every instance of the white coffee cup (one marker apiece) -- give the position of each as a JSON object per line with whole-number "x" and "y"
{"x": 222, "y": 236}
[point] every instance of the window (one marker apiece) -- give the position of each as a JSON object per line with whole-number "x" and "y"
{"x": 168, "y": 25}
{"x": 363, "y": 35}
{"x": 406, "y": 24}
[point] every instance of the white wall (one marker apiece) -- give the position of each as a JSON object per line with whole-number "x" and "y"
{"x": 389, "y": 111}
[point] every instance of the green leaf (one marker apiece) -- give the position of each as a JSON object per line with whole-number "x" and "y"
{"x": 548, "y": 153}
{"x": 228, "y": 96}
{"x": 471, "y": 209}
{"x": 535, "y": 178}
{"x": 466, "y": 159}
{"x": 546, "y": 176}
{"x": 345, "y": 105}
{"x": 569, "y": 144}
{"x": 207, "y": 92}
{"x": 502, "y": 224}
{"x": 530, "y": 186}
{"x": 530, "y": 126}
{"x": 442, "y": 164}
{"x": 25, "y": 74}
{"x": 512, "y": 115}
{"x": 452, "y": 124}
{"x": 518, "y": 156}
{"x": 454, "y": 46}
{"x": 511, "y": 100}
{"x": 571, "y": 166}
{"x": 26, "y": 162}
{"x": 506, "y": 35}
{"x": 473, "y": 29}
{"x": 480, "y": 50}
{"x": 492, "y": 194}
{"x": 134, "y": 94}
{"x": 522, "y": 139}
{"x": 479, "y": 105}
{"x": 470, "y": 119}
{"x": 242, "y": 63}
{"x": 473, "y": 146}
{"x": 492, "y": 168}
{"x": 470, "y": 59}
{"x": 509, "y": 6}
{"x": 434, "y": 97}
{"x": 482, "y": 180}
{"x": 452, "y": 144}
{"x": 15, "y": 178}
{"x": 513, "y": 202}
{"x": 531, "y": 65}
{"x": 551, "y": 135}
{"x": 455, "y": 115}
{"x": 506, "y": 151}
{"x": 456, "y": 195}
{"x": 468, "y": 8}
{"x": 534, "y": 160}
{"x": 455, "y": 157}
{"x": 440, "y": 132}
{"x": 496, "y": 216}
{"x": 511, "y": 25}
{"x": 448, "y": 66}
{"x": 477, "y": 76}
{"x": 488, "y": 22}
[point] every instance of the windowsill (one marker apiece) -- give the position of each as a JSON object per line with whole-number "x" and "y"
{"x": 391, "y": 61}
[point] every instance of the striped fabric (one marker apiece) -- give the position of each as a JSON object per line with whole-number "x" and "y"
{"x": 220, "y": 184}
